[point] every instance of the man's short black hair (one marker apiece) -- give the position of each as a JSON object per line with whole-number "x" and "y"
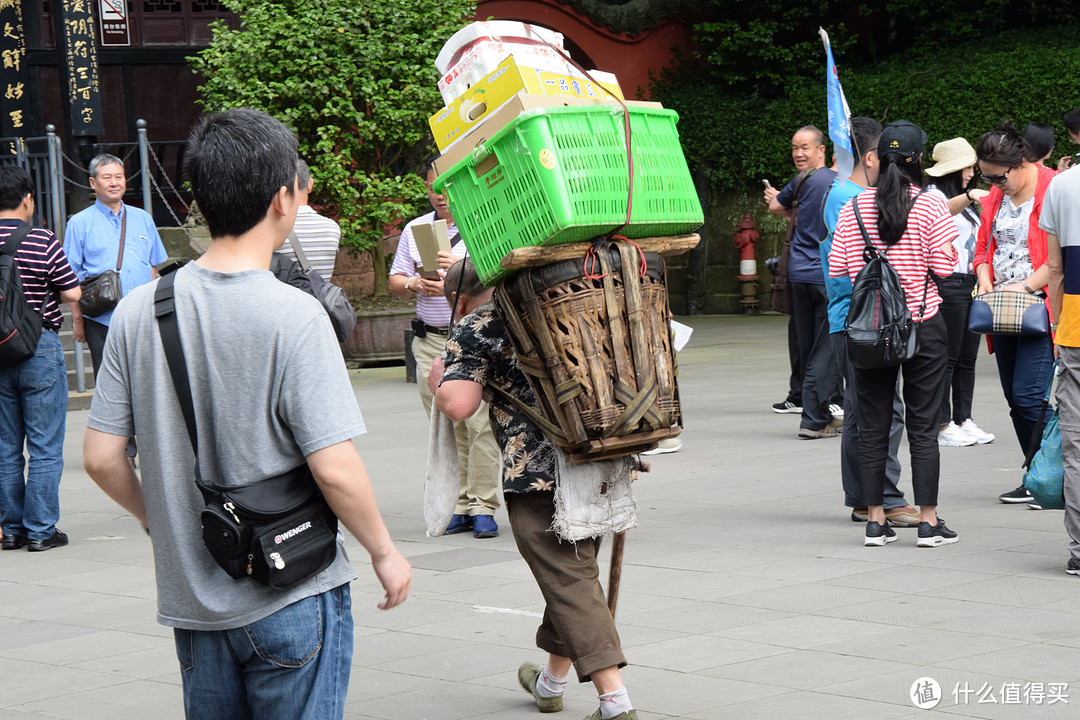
{"x": 865, "y": 133}
{"x": 303, "y": 174}
{"x": 1072, "y": 120}
{"x": 236, "y": 161}
{"x": 15, "y": 184}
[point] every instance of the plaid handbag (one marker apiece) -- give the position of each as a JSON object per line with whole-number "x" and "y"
{"x": 1003, "y": 312}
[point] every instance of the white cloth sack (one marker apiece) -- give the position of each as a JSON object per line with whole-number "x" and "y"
{"x": 594, "y": 499}
{"x": 442, "y": 483}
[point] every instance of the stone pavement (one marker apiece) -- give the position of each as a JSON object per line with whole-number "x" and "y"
{"x": 746, "y": 590}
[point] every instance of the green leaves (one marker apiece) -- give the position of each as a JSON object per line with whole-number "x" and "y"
{"x": 356, "y": 81}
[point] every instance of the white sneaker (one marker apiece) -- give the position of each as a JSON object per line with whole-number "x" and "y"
{"x": 981, "y": 436}
{"x": 836, "y": 411}
{"x": 955, "y": 436}
{"x": 667, "y": 445}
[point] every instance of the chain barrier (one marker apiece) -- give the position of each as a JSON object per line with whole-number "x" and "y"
{"x": 176, "y": 193}
{"x": 168, "y": 206}
{"x": 76, "y": 184}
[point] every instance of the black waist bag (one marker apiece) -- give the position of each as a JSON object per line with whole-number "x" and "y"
{"x": 278, "y": 531}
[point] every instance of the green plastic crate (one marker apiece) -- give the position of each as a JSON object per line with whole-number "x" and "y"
{"x": 559, "y": 175}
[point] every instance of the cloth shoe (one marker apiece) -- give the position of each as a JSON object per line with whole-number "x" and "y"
{"x": 877, "y": 534}
{"x": 667, "y": 445}
{"x": 955, "y": 436}
{"x": 787, "y": 408}
{"x": 935, "y": 535}
{"x": 58, "y": 539}
{"x": 458, "y": 524}
{"x": 859, "y": 514}
{"x": 629, "y": 715}
{"x": 528, "y": 674}
{"x": 1019, "y": 495}
{"x": 1073, "y": 568}
{"x": 837, "y": 411}
{"x": 1033, "y": 505}
{"x": 484, "y": 526}
{"x": 905, "y": 516}
{"x": 981, "y": 436}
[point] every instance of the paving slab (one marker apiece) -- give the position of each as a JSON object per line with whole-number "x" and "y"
{"x": 746, "y": 590}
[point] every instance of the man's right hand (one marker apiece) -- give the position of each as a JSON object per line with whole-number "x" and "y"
{"x": 395, "y": 575}
{"x": 78, "y": 329}
{"x": 770, "y": 193}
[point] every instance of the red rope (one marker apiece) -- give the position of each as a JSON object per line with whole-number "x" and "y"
{"x": 588, "y": 268}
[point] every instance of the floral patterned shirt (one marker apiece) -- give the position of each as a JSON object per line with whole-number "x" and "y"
{"x": 479, "y": 350}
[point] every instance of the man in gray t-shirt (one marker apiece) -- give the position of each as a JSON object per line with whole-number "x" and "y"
{"x": 270, "y": 391}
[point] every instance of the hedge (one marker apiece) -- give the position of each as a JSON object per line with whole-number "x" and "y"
{"x": 960, "y": 91}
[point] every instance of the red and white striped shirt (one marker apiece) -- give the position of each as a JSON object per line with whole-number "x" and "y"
{"x": 42, "y": 263}
{"x": 925, "y": 244}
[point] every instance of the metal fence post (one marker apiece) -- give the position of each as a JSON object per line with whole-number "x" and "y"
{"x": 144, "y": 167}
{"x": 58, "y": 221}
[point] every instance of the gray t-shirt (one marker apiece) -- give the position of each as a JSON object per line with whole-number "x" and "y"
{"x": 1061, "y": 213}
{"x": 269, "y": 386}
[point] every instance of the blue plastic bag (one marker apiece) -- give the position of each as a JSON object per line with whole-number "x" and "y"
{"x": 1045, "y": 477}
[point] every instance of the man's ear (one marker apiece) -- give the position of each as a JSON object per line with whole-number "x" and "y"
{"x": 280, "y": 201}
{"x": 310, "y": 184}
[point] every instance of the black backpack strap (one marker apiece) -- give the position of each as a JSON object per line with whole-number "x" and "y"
{"x": 14, "y": 240}
{"x": 165, "y": 312}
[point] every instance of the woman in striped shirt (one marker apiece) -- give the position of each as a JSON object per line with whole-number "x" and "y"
{"x": 915, "y": 232}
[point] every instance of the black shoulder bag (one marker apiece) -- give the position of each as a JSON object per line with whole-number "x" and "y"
{"x": 278, "y": 531}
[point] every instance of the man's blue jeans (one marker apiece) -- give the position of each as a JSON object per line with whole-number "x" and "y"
{"x": 291, "y": 665}
{"x": 33, "y": 408}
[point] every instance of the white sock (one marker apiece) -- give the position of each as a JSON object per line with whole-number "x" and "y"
{"x": 547, "y": 685}
{"x": 614, "y": 703}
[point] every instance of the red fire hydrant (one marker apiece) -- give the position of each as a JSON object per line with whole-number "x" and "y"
{"x": 745, "y": 239}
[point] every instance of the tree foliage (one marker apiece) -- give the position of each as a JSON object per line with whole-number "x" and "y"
{"x": 356, "y": 81}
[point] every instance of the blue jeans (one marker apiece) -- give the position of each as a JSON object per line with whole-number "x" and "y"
{"x": 33, "y": 407}
{"x": 1024, "y": 365}
{"x": 292, "y": 665}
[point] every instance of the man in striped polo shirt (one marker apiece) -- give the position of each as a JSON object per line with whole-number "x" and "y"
{"x": 319, "y": 236}
{"x": 33, "y": 394}
{"x": 1060, "y": 219}
{"x": 478, "y": 454}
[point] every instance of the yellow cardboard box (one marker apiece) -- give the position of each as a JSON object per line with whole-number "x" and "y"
{"x": 498, "y": 119}
{"x": 503, "y": 83}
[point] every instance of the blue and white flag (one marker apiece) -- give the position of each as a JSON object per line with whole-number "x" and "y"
{"x": 839, "y": 116}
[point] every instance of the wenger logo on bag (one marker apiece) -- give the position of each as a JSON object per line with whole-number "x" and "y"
{"x": 289, "y": 534}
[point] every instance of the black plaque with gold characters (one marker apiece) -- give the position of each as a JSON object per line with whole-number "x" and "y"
{"x": 78, "y": 44}
{"x": 14, "y": 74}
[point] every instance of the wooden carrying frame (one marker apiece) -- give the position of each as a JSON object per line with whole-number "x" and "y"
{"x": 592, "y": 335}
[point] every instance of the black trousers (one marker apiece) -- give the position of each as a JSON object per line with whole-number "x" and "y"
{"x": 924, "y": 383}
{"x": 821, "y": 380}
{"x": 96, "y": 334}
{"x": 955, "y": 291}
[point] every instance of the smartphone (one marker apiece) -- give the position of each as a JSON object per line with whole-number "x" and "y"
{"x": 767, "y": 183}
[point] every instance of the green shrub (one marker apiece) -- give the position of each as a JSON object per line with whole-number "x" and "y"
{"x": 959, "y": 91}
{"x": 356, "y": 81}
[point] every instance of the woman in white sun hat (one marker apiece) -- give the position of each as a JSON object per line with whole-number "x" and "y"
{"x": 953, "y": 174}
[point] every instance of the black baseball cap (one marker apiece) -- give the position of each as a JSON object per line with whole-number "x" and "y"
{"x": 904, "y": 138}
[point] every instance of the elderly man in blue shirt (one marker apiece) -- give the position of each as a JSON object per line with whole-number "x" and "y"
{"x": 92, "y": 244}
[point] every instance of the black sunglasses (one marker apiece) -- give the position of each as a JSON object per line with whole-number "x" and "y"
{"x": 996, "y": 179}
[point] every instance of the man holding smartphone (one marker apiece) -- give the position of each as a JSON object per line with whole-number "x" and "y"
{"x": 809, "y": 323}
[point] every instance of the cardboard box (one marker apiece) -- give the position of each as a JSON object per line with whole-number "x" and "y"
{"x": 501, "y": 116}
{"x": 483, "y": 98}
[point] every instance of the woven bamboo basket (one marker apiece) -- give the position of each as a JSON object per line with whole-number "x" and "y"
{"x": 593, "y": 337}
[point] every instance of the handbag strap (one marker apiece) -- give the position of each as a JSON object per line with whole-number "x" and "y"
{"x": 799, "y": 180}
{"x": 299, "y": 251}
{"x": 123, "y": 237}
{"x": 165, "y": 312}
